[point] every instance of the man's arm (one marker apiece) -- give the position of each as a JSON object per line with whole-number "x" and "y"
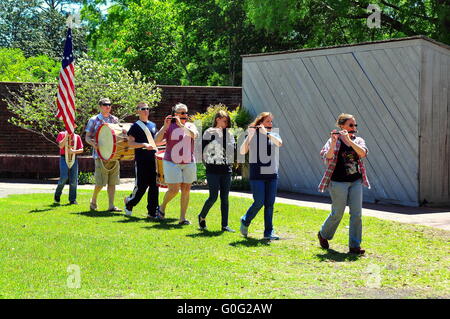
{"x": 90, "y": 140}
{"x": 133, "y": 144}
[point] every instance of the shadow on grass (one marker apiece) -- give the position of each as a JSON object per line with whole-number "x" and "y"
{"x": 251, "y": 242}
{"x": 167, "y": 223}
{"x": 39, "y": 210}
{"x": 206, "y": 233}
{"x": 131, "y": 219}
{"x": 337, "y": 256}
{"x": 49, "y": 207}
{"x": 99, "y": 213}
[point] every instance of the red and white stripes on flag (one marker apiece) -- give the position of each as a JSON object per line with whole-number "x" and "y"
{"x": 66, "y": 87}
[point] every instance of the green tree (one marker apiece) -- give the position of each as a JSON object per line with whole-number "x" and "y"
{"x": 219, "y": 32}
{"x": 337, "y": 22}
{"x": 15, "y": 67}
{"x": 34, "y": 105}
{"x": 189, "y": 42}
{"x": 38, "y": 27}
{"x": 140, "y": 35}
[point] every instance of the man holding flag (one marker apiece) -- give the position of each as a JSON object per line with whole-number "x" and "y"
{"x": 69, "y": 143}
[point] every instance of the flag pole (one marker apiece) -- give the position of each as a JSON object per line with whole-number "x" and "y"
{"x": 66, "y": 93}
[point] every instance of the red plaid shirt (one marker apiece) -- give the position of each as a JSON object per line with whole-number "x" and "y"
{"x": 331, "y": 163}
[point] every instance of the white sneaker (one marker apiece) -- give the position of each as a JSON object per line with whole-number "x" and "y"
{"x": 127, "y": 211}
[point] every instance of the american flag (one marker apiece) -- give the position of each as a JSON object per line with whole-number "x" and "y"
{"x": 66, "y": 88}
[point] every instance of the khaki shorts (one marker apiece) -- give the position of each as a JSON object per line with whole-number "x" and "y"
{"x": 107, "y": 173}
{"x": 179, "y": 173}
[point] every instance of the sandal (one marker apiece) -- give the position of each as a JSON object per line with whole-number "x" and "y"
{"x": 92, "y": 206}
{"x": 114, "y": 209}
{"x": 184, "y": 222}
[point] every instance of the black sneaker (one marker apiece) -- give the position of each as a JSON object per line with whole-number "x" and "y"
{"x": 201, "y": 223}
{"x": 74, "y": 202}
{"x": 57, "y": 200}
{"x": 155, "y": 217}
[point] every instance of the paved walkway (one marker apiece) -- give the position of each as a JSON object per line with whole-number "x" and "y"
{"x": 434, "y": 217}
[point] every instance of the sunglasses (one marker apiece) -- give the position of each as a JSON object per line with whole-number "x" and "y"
{"x": 144, "y": 108}
{"x": 182, "y": 113}
{"x": 353, "y": 125}
{"x": 106, "y": 104}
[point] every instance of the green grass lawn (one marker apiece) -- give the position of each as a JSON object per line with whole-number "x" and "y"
{"x": 122, "y": 257}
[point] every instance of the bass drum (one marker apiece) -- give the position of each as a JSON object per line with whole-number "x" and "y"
{"x": 160, "y": 181}
{"x": 113, "y": 142}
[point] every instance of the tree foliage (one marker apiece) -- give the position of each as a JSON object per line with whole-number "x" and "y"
{"x": 38, "y": 27}
{"x": 15, "y": 67}
{"x": 329, "y": 22}
{"x": 140, "y": 35}
{"x": 189, "y": 42}
{"x": 34, "y": 106}
{"x": 200, "y": 42}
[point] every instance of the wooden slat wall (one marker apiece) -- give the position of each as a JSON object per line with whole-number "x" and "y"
{"x": 379, "y": 84}
{"x": 435, "y": 126}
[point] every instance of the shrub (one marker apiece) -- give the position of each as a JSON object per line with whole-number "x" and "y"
{"x": 240, "y": 184}
{"x": 86, "y": 178}
{"x": 240, "y": 117}
{"x": 201, "y": 172}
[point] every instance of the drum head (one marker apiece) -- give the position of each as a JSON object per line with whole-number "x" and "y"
{"x": 106, "y": 141}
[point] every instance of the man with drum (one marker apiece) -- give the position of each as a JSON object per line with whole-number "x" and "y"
{"x": 104, "y": 175}
{"x": 180, "y": 170}
{"x": 141, "y": 138}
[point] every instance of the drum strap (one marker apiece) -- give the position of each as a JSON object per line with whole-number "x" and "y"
{"x": 150, "y": 139}
{"x": 115, "y": 163}
{"x": 70, "y": 158}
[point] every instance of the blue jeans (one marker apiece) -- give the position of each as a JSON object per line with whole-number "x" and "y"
{"x": 264, "y": 193}
{"x": 70, "y": 175}
{"x": 218, "y": 182}
{"x": 343, "y": 194}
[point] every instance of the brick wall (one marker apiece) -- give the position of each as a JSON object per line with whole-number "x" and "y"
{"x": 14, "y": 140}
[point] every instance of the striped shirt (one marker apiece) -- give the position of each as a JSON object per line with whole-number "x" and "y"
{"x": 331, "y": 163}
